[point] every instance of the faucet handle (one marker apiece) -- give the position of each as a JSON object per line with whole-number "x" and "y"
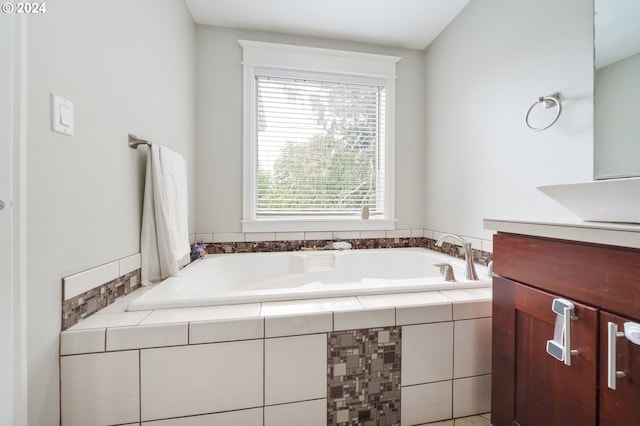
{"x": 446, "y": 269}
{"x": 490, "y": 270}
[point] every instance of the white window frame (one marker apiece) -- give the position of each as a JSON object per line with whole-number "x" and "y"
{"x": 292, "y": 59}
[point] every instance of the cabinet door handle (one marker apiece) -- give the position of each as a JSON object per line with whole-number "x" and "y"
{"x": 560, "y": 346}
{"x": 568, "y": 316}
{"x": 612, "y": 337}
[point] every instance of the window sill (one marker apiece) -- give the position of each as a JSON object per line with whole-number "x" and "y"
{"x": 317, "y": 224}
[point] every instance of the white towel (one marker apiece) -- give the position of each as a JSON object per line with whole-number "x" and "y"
{"x": 164, "y": 240}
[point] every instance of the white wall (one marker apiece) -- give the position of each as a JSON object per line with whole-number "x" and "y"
{"x": 128, "y": 66}
{"x": 482, "y": 74}
{"x": 219, "y": 126}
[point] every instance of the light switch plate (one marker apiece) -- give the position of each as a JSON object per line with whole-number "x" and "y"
{"x": 62, "y": 119}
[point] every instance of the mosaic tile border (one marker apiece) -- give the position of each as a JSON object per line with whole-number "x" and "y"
{"x": 83, "y": 305}
{"x": 363, "y": 377}
{"x": 479, "y": 256}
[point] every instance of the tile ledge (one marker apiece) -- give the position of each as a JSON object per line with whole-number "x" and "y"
{"x": 111, "y": 319}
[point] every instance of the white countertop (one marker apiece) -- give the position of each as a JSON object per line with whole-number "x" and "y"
{"x": 615, "y": 234}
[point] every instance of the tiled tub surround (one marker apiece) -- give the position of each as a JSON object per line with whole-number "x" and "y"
{"x": 269, "y": 363}
{"x": 87, "y": 292}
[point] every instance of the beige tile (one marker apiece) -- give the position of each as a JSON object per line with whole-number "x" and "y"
{"x": 228, "y": 237}
{"x": 469, "y": 294}
{"x": 204, "y": 238}
{"x": 472, "y": 309}
{"x": 200, "y": 379}
{"x": 487, "y": 245}
{"x": 399, "y": 233}
{"x": 470, "y": 303}
{"x": 427, "y": 353}
{"x": 346, "y": 235}
{"x": 318, "y": 235}
{"x": 442, "y": 423}
{"x": 295, "y": 368}
{"x": 147, "y": 336}
{"x": 417, "y": 233}
{"x": 249, "y": 417}
{"x": 412, "y": 308}
{"x": 129, "y": 264}
{"x": 116, "y": 319}
{"x": 437, "y": 234}
{"x": 297, "y": 324}
{"x": 364, "y": 318}
{"x": 226, "y": 330}
{"x": 259, "y": 236}
{"x": 205, "y": 313}
{"x": 423, "y": 314}
{"x": 471, "y": 396}
{"x": 425, "y": 403}
{"x": 473, "y": 421}
{"x": 472, "y": 343}
{"x": 99, "y": 389}
{"x": 289, "y": 236}
{"x": 403, "y": 299}
{"x": 307, "y": 413}
{"x": 77, "y": 284}
{"x": 373, "y": 234}
{"x": 308, "y": 306}
{"x": 82, "y": 341}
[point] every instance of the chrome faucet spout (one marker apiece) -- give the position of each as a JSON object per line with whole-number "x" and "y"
{"x": 469, "y": 268}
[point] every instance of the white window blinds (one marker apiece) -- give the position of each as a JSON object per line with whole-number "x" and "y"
{"x": 320, "y": 147}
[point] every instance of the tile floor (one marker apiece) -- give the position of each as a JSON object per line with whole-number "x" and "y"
{"x": 482, "y": 420}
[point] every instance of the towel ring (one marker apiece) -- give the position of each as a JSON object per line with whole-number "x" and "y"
{"x": 548, "y": 102}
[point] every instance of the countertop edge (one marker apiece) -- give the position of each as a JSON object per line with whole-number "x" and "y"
{"x": 614, "y": 234}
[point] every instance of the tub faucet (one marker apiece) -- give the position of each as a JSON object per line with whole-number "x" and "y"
{"x": 447, "y": 271}
{"x": 469, "y": 267}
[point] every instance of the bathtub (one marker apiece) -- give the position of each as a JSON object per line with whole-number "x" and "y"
{"x": 223, "y": 279}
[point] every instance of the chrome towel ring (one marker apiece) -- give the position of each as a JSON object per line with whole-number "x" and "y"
{"x": 548, "y": 102}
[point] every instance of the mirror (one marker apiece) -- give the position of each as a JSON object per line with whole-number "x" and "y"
{"x": 617, "y": 89}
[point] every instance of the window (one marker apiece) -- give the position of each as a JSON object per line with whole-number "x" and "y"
{"x": 318, "y": 139}
{"x": 320, "y": 148}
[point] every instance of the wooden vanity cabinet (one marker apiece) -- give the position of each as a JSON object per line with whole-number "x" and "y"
{"x": 529, "y": 386}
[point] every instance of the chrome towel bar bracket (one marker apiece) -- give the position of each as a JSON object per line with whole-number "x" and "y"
{"x": 134, "y": 142}
{"x": 548, "y": 102}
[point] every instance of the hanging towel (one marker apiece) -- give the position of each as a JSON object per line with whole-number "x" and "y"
{"x": 164, "y": 240}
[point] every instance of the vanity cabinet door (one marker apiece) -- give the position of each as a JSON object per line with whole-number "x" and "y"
{"x": 619, "y": 406}
{"x": 530, "y": 387}
{"x": 547, "y": 391}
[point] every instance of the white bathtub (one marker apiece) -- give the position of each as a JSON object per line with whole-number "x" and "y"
{"x": 262, "y": 277}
